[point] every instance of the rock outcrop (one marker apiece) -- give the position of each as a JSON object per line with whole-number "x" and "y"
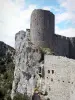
{"x": 28, "y": 61}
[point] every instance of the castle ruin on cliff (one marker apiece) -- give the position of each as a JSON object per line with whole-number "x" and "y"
{"x": 53, "y": 75}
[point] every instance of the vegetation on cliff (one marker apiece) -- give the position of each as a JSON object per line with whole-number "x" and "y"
{"x": 6, "y": 70}
{"x": 46, "y": 51}
{"x": 20, "y": 96}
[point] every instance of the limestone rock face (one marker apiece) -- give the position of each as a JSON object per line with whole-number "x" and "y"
{"x": 27, "y": 64}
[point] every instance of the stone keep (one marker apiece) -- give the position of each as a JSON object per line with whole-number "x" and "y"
{"x": 42, "y": 27}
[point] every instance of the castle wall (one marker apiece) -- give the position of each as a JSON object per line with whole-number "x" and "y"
{"x": 59, "y": 77}
{"x": 61, "y": 45}
{"x": 72, "y": 47}
{"x": 42, "y": 27}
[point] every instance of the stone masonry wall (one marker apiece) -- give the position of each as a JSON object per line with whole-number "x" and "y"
{"x": 72, "y": 47}
{"x": 60, "y": 77}
{"x": 63, "y": 46}
{"x": 60, "y": 45}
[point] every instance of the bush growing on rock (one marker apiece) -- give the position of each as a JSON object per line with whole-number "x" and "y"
{"x": 46, "y": 51}
{"x": 20, "y": 96}
{"x": 6, "y": 78}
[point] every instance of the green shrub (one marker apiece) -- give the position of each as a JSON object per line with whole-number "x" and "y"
{"x": 2, "y": 62}
{"x": 20, "y": 96}
{"x": 2, "y": 68}
{"x": 46, "y": 51}
{"x": 48, "y": 98}
{"x": 8, "y": 85}
{"x": 6, "y": 78}
{"x": 9, "y": 58}
{"x": 46, "y": 93}
{"x": 2, "y": 93}
{"x": 5, "y": 75}
{"x": 7, "y": 97}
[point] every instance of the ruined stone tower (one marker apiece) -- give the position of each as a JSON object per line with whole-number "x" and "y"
{"x": 42, "y": 27}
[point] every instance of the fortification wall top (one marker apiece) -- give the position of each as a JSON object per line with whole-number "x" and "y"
{"x": 72, "y": 47}
{"x": 61, "y": 45}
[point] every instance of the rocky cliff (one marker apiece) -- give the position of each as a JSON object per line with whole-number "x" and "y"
{"x": 29, "y": 60}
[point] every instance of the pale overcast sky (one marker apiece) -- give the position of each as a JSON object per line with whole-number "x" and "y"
{"x": 15, "y": 16}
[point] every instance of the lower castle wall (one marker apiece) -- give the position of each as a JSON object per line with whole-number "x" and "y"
{"x": 60, "y": 77}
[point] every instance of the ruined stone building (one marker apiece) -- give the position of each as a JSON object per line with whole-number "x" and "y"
{"x": 53, "y": 75}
